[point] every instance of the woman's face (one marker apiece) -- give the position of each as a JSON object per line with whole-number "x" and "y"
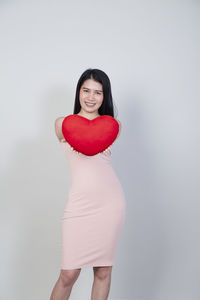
{"x": 91, "y": 96}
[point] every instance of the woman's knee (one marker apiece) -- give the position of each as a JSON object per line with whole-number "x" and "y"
{"x": 102, "y": 272}
{"x": 68, "y": 277}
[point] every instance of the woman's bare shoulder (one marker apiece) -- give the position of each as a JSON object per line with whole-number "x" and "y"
{"x": 58, "y": 121}
{"x": 120, "y": 124}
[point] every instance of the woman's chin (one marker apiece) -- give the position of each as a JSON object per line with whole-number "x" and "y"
{"x": 90, "y": 110}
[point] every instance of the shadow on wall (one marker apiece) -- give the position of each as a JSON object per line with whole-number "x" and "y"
{"x": 34, "y": 187}
{"x": 142, "y": 243}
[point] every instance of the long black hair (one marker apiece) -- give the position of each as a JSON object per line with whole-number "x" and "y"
{"x": 107, "y": 107}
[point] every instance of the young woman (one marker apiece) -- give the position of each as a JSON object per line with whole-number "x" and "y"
{"x": 95, "y": 210}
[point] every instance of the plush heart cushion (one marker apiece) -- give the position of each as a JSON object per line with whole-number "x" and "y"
{"x": 90, "y": 136}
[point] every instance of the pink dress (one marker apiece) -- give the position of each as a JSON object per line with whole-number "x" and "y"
{"x": 94, "y": 213}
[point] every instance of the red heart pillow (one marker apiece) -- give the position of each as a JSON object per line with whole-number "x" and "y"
{"x": 90, "y": 136}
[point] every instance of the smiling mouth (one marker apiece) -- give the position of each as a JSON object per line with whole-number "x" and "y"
{"x": 90, "y": 104}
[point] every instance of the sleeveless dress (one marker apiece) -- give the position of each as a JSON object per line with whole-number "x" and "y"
{"x": 94, "y": 213}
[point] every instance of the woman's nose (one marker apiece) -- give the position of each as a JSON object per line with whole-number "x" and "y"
{"x": 91, "y": 96}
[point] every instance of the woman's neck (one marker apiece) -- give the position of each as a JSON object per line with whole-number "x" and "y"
{"x": 88, "y": 115}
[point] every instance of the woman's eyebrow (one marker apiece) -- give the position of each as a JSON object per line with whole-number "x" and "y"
{"x": 89, "y": 89}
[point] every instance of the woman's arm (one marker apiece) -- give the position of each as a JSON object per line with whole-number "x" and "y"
{"x": 120, "y": 126}
{"x": 58, "y": 129}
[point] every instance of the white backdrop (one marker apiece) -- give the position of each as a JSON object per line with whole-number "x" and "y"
{"x": 150, "y": 51}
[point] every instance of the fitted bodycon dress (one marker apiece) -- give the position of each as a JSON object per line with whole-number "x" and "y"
{"x": 94, "y": 213}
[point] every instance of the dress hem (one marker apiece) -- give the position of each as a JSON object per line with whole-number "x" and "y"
{"x": 87, "y": 266}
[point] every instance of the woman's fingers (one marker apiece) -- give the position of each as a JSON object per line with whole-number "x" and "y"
{"x": 62, "y": 140}
{"x": 107, "y": 149}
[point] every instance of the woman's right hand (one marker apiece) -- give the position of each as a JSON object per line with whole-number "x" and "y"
{"x": 63, "y": 141}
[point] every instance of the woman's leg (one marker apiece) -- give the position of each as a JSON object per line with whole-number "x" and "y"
{"x": 102, "y": 282}
{"x": 64, "y": 284}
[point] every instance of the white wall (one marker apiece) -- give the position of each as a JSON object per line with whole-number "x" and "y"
{"x": 150, "y": 51}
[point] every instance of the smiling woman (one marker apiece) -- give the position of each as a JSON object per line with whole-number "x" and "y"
{"x": 95, "y": 210}
{"x": 91, "y": 96}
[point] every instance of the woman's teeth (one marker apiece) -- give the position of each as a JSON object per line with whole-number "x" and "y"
{"x": 90, "y": 104}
